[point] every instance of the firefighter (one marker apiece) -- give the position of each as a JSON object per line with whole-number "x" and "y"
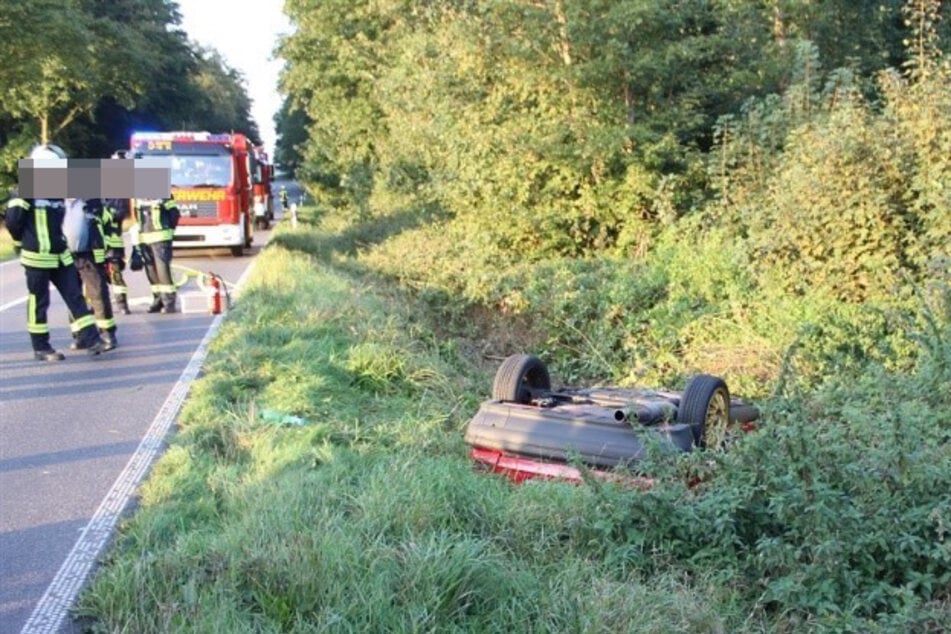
{"x": 84, "y": 234}
{"x": 114, "y": 214}
{"x": 283, "y": 198}
{"x": 153, "y": 228}
{"x": 36, "y": 225}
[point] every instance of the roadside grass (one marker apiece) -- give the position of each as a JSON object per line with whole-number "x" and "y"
{"x": 6, "y": 245}
{"x": 361, "y": 512}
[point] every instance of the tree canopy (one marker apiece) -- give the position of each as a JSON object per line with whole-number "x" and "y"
{"x": 85, "y": 74}
{"x": 566, "y": 128}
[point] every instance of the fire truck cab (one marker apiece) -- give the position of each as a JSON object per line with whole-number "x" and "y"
{"x": 211, "y": 183}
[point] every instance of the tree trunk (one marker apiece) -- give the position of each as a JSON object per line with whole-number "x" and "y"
{"x": 564, "y": 44}
{"x": 779, "y": 27}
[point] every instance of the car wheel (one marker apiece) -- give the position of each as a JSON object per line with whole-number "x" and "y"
{"x": 519, "y": 378}
{"x": 705, "y": 406}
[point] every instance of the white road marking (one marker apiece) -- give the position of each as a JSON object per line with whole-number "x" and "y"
{"x": 135, "y": 301}
{"x": 54, "y": 605}
{"x": 5, "y": 265}
{"x": 10, "y": 305}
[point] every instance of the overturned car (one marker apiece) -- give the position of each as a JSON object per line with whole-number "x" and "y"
{"x": 528, "y": 430}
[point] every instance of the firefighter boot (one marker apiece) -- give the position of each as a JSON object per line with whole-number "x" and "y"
{"x": 156, "y": 304}
{"x": 91, "y": 342}
{"x": 168, "y": 303}
{"x": 122, "y": 303}
{"x": 109, "y": 340}
{"x": 47, "y": 355}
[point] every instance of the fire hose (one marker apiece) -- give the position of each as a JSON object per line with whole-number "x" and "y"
{"x": 211, "y": 284}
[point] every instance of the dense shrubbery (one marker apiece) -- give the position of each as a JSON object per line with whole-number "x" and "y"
{"x": 821, "y": 227}
{"x": 844, "y": 208}
{"x": 838, "y": 513}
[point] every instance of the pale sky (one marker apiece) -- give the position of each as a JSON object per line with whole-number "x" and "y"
{"x": 245, "y": 32}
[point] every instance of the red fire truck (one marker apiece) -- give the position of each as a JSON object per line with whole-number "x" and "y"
{"x": 211, "y": 183}
{"x": 262, "y": 173}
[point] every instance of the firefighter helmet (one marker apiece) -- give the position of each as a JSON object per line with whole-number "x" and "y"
{"x": 48, "y": 151}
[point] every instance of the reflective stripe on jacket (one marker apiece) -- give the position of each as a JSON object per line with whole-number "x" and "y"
{"x": 113, "y": 213}
{"x": 157, "y": 220}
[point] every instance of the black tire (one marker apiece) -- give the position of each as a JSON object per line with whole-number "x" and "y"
{"x": 520, "y": 378}
{"x": 237, "y": 251}
{"x": 705, "y": 406}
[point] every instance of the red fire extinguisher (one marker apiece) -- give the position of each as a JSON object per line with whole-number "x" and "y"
{"x": 214, "y": 297}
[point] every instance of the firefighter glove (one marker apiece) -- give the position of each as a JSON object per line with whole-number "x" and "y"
{"x": 136, "y": 263}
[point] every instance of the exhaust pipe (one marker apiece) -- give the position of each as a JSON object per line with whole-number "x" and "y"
{"x": 647, "y": 413}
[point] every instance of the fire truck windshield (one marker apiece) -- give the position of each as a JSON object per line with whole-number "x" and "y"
{"x": 201, "y": 171}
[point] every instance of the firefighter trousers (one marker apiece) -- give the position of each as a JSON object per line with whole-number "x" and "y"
{"x": 96, "y": 289}
{"x": 66, "y": 280}
{"x": 117, "y": 287}
{"x": 157, "y": 258}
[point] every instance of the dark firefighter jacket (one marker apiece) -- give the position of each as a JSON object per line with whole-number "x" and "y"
{"x": 100, "y": 219}
{"x": 36, "y": 226}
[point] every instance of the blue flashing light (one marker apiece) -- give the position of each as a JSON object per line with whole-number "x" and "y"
{"x": 145, "y": 136}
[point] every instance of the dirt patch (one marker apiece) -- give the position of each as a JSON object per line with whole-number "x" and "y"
{"x": 487, "y": 336}
{"x": 758, "y": 362}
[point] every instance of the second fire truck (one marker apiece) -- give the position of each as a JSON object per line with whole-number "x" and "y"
{"x": 262, "y": 173}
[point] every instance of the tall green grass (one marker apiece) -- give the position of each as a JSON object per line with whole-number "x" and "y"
{"x": 370, "y": 518}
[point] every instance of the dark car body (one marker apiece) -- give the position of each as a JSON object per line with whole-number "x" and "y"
{"x": 529, "y": 430}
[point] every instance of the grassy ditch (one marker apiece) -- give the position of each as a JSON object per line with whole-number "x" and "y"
{"x": 364, "y": 514}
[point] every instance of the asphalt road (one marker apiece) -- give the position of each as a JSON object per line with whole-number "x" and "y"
{"x": 78, "y": 436}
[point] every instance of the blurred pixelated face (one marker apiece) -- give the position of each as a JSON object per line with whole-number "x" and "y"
{"x": 43, "y": 178}
{"x": 95, "y": 178}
